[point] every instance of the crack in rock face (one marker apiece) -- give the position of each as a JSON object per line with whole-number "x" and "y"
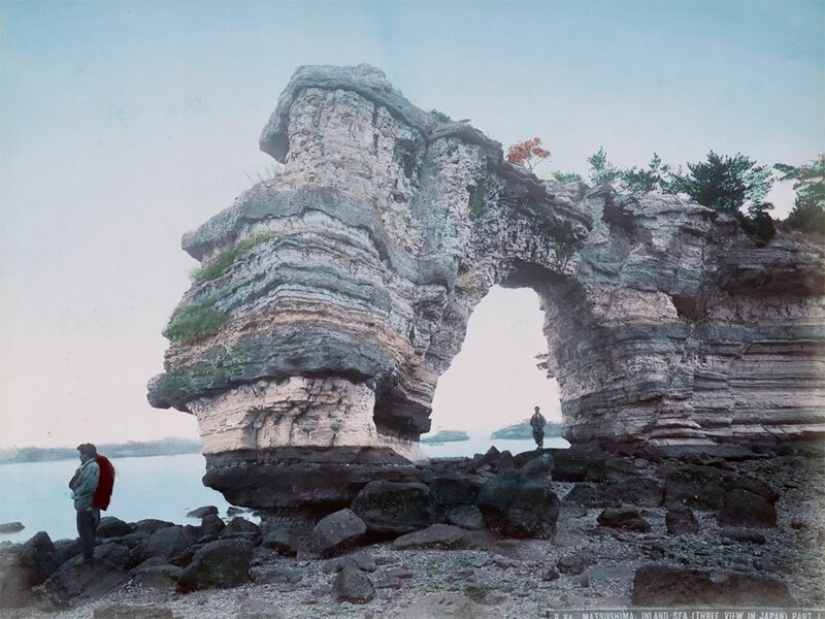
{"x": 332, "y": 297}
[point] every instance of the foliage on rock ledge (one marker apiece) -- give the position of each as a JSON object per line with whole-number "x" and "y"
{"x": 192, "y": 322}
{"x": 202, "y": 317}
{"x": 185, "y": 384}
{"x": 527, "y": 153}
{"x": 220, "y": 264}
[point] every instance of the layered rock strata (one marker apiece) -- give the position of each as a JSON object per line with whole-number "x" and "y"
{"x": 332, "y": 297}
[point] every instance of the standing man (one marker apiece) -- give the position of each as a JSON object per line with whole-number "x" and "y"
{"x": 83, "y": 485}
{"x": 537, "y": 421}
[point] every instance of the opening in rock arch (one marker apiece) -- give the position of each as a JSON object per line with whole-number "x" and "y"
{"x": 494, "y": 382}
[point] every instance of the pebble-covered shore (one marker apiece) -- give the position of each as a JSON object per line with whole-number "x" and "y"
{"x": 584, "y": 566}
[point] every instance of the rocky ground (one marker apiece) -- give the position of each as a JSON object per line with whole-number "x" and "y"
{"x": 446, "y": 571}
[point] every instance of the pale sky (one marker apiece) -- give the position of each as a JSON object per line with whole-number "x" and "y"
{"x": 125, "y": 124}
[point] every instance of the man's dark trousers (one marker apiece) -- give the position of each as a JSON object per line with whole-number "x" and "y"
{"x": 87, "y": 522}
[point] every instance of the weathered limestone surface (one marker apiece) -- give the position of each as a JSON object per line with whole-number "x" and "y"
{"x": 364, "y": 259}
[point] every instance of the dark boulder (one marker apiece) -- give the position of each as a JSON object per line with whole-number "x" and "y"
{"x": 643, "y": 491}
{"x": 519, "y": 460}
{"x": 705, "y": 487}
{"x": 679, "y": 520}
{"x": 479, "y": 461}
{"x": 742, "y": 508}
{"x": 578, "y": 464}
{"x": 661, "y": 586}
{"x": 155, "y": 573}
{"x": 537, "y": 469}
{"x": 338, "y": 532}
{"x": 117, "y": 556}
{"x": 520, "y": 505}
{"x": 625, "y": 518}
{"x": 313, "y": 478}
{"x": 185, "y": 558}
{"x": 167, "y": 542}
{"x": 353, "y": 585}
{"x": 466, "y": 517}
{"x": 79, "y": 580}
{"x": 23, "y": 566}
{"x": 280, "y": 540}
{"x": 242, "y": 528}
{"x": 113, "y": 527}
{"x": 505, "y": 462}
{"x": 211, "y": 526}
{"x": 42, "y": 556}
{"x": 16, "y": 578}
{"x": 201, "y": 512}
{"x": 67, "y": 549}
{"x": 393, "y": 507}
{"x": 134, "y": 542}
{"x": 217, "y": 565}
{"x": 451, "y": 491}
{"x": 150, "y": 525}
{"x": 591, "y": 495}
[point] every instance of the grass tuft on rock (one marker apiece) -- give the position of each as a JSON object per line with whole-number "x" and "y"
{"x": 192, "y": 322}
{"x": 220, "y": 264}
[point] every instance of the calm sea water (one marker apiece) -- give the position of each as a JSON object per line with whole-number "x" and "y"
{"x": 162, "y": 487}
{"x": 481, "y": 445}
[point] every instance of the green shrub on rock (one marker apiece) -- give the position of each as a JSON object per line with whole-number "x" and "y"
{"x": 220, "y": 264}
{"x": 192, "y": 322}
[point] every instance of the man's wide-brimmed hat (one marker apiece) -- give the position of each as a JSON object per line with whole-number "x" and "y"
{"x": 87, "y": 449}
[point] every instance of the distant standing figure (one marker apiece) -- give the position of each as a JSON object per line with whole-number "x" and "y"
{"x": 83, "y": 485}
{"x": 537, "y": 421}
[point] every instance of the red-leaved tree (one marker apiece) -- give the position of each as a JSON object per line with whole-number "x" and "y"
{"x": 527, "y": 153}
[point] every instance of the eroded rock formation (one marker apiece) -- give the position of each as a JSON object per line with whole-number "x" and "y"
{"x": 334, "y": 296}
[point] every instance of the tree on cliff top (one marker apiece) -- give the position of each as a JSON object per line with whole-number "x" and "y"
{"x": 527, "y": 153}
{"x": 601, "y": 170}
{"x": 727, "y": 184}
{"x": 656, "y": 178}
{"x": 809, "y": 183}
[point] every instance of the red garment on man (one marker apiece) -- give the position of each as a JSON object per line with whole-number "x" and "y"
{"x": 105, "y": 483}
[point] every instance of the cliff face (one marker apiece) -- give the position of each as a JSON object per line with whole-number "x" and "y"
{"x": 348, "y": 280}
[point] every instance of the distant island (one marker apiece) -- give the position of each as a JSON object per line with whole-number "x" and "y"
{"x": 163, "y": 447}
{"x": 445, "y": 436}
{"x": 522, "y": 431}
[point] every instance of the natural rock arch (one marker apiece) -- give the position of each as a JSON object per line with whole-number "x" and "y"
{"x": 347, "y": 283}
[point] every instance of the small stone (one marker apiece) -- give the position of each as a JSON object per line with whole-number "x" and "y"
{"x": 504, "y": 563}
{"x": 353, "y": 585}
{"x": 388, "y": 582}
{"x": 123, "y": 611}
{"x": 550, "y": 574}
{"x": 400, "y": 572}
{"x": 575, "y": 564}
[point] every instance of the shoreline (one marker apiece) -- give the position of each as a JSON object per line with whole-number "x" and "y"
{"x": 584, "y": 565}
